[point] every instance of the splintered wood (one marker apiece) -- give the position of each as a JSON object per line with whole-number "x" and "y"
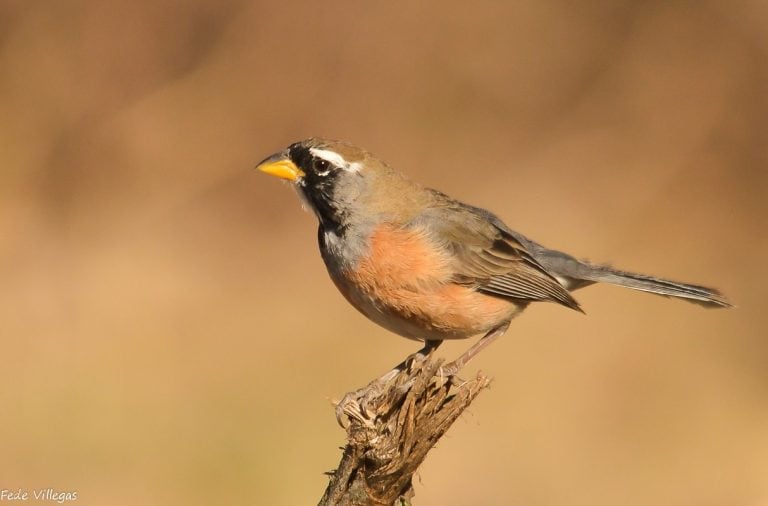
{"x": 391, "y": 425}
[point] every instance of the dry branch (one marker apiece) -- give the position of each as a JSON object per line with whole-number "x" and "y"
{"x": 391, "y": 425}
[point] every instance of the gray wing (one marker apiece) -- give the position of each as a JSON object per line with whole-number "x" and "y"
{"x": 576, "y": 274}
{"x": 489, "y": 257}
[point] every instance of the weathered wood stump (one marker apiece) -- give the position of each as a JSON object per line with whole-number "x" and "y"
{"x": 391, "y": 425}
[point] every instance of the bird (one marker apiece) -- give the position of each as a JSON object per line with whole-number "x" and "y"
{"x": 429, "y": 267}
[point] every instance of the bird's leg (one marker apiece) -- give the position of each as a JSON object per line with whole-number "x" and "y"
{"x": 457, "y": 365}
{"x": 429, "y": 347}
{"x": 361, "y": 403}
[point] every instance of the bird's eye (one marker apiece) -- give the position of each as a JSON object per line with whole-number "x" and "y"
{"x": 319, "y": 165}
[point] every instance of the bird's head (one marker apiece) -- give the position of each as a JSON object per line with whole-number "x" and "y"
{"x": 340, "y": 182}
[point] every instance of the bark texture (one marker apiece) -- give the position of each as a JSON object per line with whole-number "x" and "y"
{"x": 391, "y": 425}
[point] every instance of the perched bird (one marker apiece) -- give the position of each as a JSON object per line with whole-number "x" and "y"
{"x": 426, "y": 266}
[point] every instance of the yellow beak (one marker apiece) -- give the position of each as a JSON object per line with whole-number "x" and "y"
{"x": 279, "y": 165}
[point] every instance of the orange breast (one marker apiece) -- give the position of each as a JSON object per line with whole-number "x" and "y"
{"x": 404, "y": 284}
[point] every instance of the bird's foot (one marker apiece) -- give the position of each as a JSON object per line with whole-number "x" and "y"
{"x": 366, "y": 404}
{"x": 360, "y": 405}
{"x": 450, "y": 370}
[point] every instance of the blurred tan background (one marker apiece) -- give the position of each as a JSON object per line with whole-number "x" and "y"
{"x": 168, "y": 331}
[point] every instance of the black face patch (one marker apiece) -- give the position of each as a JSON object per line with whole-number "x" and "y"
{"x": 310, "y": 164}
{"x": 300, "y": 155}
{"x": 318, "y": 184}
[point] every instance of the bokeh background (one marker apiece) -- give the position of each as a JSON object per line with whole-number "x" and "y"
{"x": 169, "y": 333}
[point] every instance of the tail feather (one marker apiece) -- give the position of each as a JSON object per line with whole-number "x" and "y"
{"x": 708, "y": 297}
{"x": 574, "y": 274}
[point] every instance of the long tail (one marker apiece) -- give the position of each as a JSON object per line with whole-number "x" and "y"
{"x": 707, "y": 297}
{"x": 576, "y": 274}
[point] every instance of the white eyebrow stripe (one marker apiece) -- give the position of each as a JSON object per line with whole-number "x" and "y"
{"x": 330, "y": 156}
